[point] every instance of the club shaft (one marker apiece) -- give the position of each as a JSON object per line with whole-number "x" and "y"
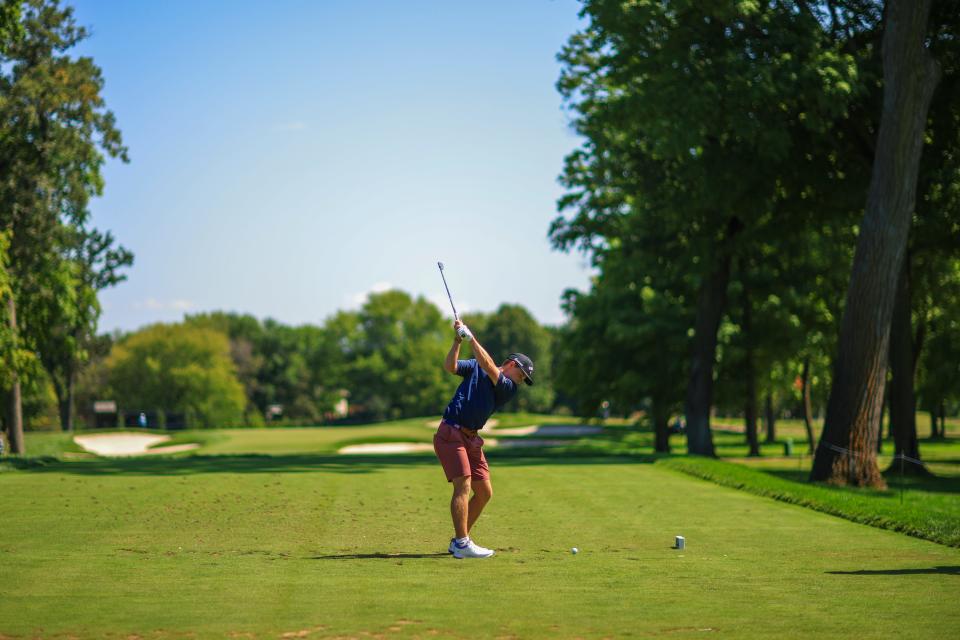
{"x": 449, "y": 297}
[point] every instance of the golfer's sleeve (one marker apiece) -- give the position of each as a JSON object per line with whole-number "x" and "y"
{"x": 465, "y": 367}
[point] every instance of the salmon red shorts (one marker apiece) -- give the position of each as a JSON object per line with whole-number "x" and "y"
{"x": 460, "y": 454}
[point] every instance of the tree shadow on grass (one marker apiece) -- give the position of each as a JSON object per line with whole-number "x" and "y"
{"x": 932, "y": 484}
{"x": 302, "y": 463}
{"x": 381, "y": 556}
{"x": 951, "y": 570}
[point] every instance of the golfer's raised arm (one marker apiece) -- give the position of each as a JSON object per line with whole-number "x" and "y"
{"x": 450, "y": 364}
{"x": 485, "y": 361}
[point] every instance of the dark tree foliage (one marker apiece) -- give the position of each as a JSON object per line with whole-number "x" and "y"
{"x": 709, "y": 129}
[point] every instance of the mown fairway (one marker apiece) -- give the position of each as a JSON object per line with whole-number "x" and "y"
{"x": 319, "y": 546}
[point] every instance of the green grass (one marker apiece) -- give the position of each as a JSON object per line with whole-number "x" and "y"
{"x": 313, "y": 545}
{"x": 929, "y": 507}
{"x": 50, "y": 443}
{"x": 265, "y": 532}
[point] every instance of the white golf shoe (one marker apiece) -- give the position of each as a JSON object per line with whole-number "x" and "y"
{"x": 471, "y": 550}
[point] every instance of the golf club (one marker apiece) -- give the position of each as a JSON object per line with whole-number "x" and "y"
{"x": 463, "y": 332}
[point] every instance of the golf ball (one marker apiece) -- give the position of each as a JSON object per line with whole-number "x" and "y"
{"x": 574, "y": 550}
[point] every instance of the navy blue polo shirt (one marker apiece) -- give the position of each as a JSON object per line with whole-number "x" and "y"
{"x": 477, "y": 397}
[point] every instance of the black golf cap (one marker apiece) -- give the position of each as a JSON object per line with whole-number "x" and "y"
{"x": 525, "y": 364}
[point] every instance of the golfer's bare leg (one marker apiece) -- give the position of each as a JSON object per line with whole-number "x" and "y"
{"x": 482, "y": 492}
{"x": 460, "y": 505}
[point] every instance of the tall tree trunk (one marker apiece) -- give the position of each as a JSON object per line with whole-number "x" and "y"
{"x": 847, "y": 450}
{"x": 61, "y": 392}
{"x": 883, "y": 411}
{"x": 661, "y": 428}
{"x": 711, "y": 302}
{"x": 71, "y": 387}
{"x": 933, "y": 423}
{"x": 64, "y": 391}
{"x": 750, "y": 415}
{"x": 65, "y": 404}
{"x": 903, "y": 404}
{"x": 943, "y": 419}
{"x": 770, "y": 419}
{"x": 807, "y": 407}
{"x": 749, "y": 372}
{"x": 15, "y": 427}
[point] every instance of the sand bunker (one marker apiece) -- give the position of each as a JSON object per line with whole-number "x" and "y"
{"x": 547, "y": 430}
{"x": 541, "y": 433}
{"x": 387, "y": 447}
{"x": 433, "y": 424}
{"x": 529, "y": 442}
{"x": 420, "y": 447}
{"x": 128, "y": 444}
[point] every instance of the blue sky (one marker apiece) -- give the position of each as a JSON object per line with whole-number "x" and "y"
{"x": 289, "y": 157}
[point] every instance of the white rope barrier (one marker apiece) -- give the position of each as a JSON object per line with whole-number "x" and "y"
{"x": 854, "y": 453}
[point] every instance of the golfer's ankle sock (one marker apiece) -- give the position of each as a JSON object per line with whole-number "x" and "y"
{"x": 462, "y": 542}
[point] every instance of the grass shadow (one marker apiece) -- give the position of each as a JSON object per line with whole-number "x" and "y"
{"x": 301, "y": 463}
{"x": 951, "y": 570}
{"x": 381, "y": 556}
{"x": 931, "y": 483}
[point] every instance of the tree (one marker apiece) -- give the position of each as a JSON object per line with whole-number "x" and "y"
{"x": 928, "y": 280}
{"x": 54, "y": 132}
{"x": 247, "y": 342}
{"x": 903, "y": 368}
{"x": 10, "y": 28}
{"x": 301, "y": 369}
{"x": 708, "y": 126}
{"x": 395, "y": 357}
{"x": 847, "y": 450}
{"x": 88, "y": 263}
{"x": 177, "y": 368}
{"x": 621, "y": 345}
{"x": 14, "y": 359}
{"x": 93, "y": 378}
{"x": 938, "y": 375}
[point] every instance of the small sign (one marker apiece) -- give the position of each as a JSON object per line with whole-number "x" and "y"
{"x": 105, "y": 406}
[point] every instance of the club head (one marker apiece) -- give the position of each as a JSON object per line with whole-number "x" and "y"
{"x": 440, "y": 264}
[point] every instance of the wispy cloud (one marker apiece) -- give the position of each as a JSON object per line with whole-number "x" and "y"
{"x": 293, "y": 125}
{"x": 357, "y": 299}
{"x": 152, "y": 304}
{"x": 443, "y": 303}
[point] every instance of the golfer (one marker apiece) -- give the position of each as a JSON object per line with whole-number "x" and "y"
{"x": 485, "y": 388}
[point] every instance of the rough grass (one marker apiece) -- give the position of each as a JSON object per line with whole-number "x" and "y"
{"x": 310, "y": 545}
{"x": 927, "y": 508}
{"x": 42, "y": 444}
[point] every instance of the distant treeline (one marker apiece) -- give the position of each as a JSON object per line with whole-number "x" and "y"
{"x": 223, "y": 369}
